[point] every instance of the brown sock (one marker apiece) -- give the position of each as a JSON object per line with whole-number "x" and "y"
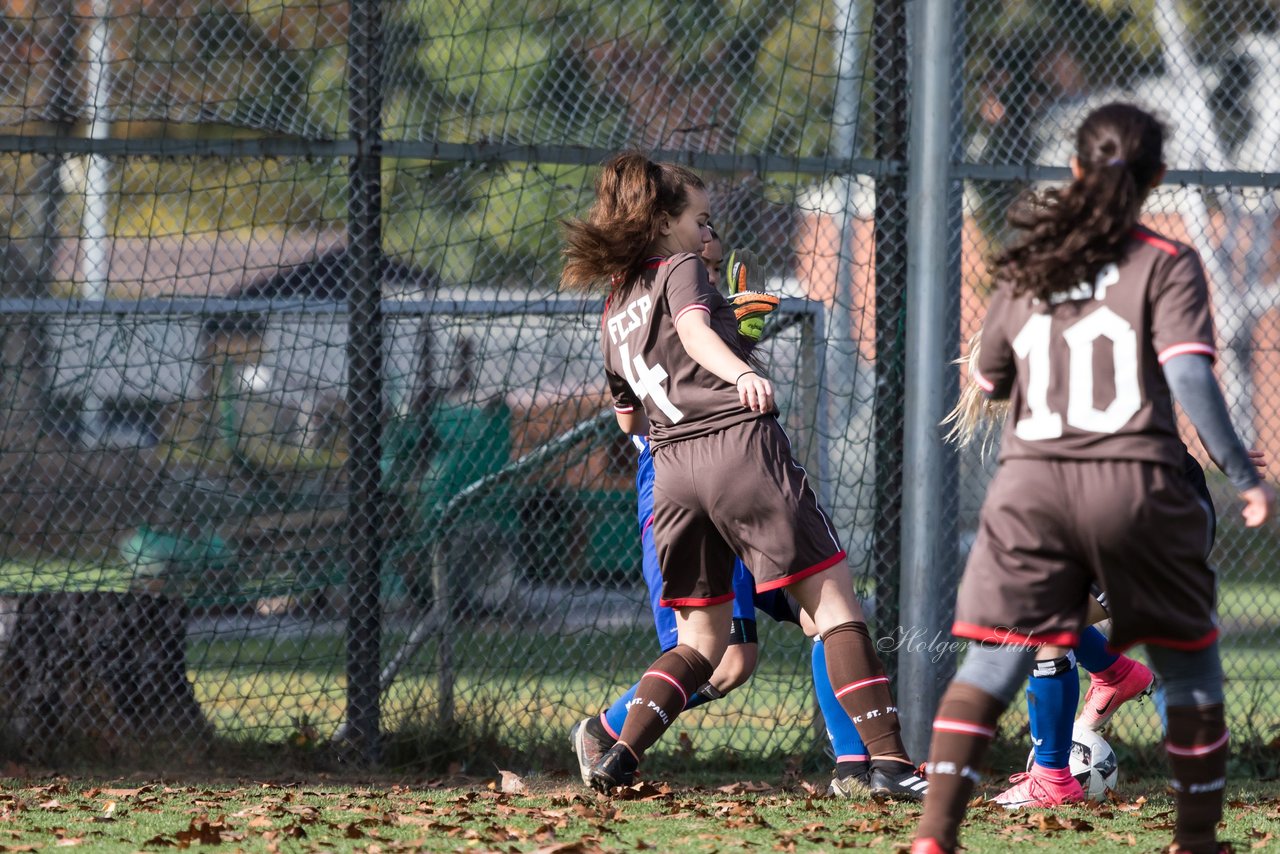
{"x": 1197, "y": 748}
{"x": 663, "y": 691}
{"x": 962, "y": 731}
{"x": 857, "y": 675}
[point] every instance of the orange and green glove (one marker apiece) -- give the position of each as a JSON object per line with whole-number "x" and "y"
{"x": 750, "y": 307}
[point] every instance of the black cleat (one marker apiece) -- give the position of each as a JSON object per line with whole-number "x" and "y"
{"x": 616, "y": 768}
{"x": 590, "y": 742}
{"x": 896, "y": 781}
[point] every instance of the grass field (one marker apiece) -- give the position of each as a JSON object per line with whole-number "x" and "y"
{"x": 522, "y": 690}
{"x": 745, "y": 773}
{"x": 554, "y": 815}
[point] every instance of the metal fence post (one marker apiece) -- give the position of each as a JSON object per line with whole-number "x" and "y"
{"x": 930, "y": 468}
{"x": 365, "y": 512}
{"x": 888, "y": 37}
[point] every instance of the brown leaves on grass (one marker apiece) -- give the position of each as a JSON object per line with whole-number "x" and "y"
{"x": 512, "y": 813}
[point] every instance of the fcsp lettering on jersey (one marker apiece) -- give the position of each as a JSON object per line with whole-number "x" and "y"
{"x": 630, "y": 318}
{"x": 1107, "y": 276}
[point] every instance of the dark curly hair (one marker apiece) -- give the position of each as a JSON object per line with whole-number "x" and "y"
{"x": 1072, "y": 232}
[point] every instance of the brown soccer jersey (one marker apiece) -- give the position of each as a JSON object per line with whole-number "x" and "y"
{"x": 1083, "y": 372}
{"x": 1091, "y": 486}
{"x": 646, "y": 363}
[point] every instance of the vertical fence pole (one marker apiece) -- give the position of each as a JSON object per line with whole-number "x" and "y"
{"x": 929, "y": 549}
{"x": 889, "y": 108}
{"x": 365, "y": 511}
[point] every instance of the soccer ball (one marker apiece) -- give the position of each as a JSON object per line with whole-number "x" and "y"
{"x": 1093, "y": 763}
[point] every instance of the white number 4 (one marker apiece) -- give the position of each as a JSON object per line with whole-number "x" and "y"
{"x": 646, "y": 381}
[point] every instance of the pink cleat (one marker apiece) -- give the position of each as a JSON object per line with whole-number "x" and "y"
{"x": 928, "y": 846}
{"x": 1111, "y": 689}
{"x": 1039, "y": 788}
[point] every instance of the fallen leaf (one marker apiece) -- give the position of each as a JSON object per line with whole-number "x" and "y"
{"x": 511, "y": 783}
{"x": 742, "y": 788}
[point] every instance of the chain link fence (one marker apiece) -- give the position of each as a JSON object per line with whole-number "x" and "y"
{"x": 302, "y": 447}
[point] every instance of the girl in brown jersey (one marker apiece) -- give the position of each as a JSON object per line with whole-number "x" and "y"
{"x": 725, "y": 480}
{"x": 1096, "y": 325}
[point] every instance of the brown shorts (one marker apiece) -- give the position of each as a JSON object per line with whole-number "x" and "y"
{"x": 735, "y": 492}
{"x": 1049, "y": 528}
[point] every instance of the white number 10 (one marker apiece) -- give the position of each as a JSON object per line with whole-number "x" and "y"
{"x": 1032, "y": 345}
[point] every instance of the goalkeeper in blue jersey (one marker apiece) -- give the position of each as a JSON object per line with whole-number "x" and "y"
{"x": 593, "y": 736}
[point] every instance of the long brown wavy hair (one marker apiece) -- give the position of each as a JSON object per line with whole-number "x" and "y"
{"x": 1072, "y": 232}
{"x": 609, "y": 247}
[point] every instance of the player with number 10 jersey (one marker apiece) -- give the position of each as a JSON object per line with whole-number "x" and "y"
{"x": 1083, "y": 372}
{"x": 1091, "y": 385}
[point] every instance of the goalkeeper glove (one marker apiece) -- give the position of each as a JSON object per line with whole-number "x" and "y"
{"x": 750, "y": 307}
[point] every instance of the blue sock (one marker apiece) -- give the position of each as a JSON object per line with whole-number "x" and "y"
{"x": 1092, "y": 651}
{"x": 616, "y": 715}
{"x": 1052, "y": 694}
{"x": 697, "y": 698}
{"x": 845, "y": 740}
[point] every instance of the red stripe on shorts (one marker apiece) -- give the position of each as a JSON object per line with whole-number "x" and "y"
{"x": 1004, "y": 636}
{"x": 1169, "y": 643}
{"x": 692, "y": 602}
{"x": 804, "y": 573}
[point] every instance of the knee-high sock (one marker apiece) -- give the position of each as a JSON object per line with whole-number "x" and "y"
{"x": 616, "y": 715}
{"x": 844, "y": 737}
{"x": 1197, "y": 748}
{"x": 962, "y": 731}
{"x": 1052, "y": 694}
{"x": 661, "y": 694}
{"x": 1092, "y": 653}
{"x": 857, "y": 675}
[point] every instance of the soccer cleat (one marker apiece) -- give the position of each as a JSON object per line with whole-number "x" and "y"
{"x": 849, "y": 786}
{"x": 896, "y": 781}
{"x": 590, "y": 741}
{"x": 1103, "y": 697}
{"x": 1223, "y": 848}
{"x": 1032, "y": 791}
{"x": 928, "y": 846}
{"x": 616, "y": 768}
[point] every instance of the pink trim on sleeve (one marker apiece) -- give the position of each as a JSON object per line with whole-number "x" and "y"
{"x": 983, "y": 383}
{"x": 688, "y": 308}
{"x": 1185, "y": 348}
{"x": 623, "y": 410}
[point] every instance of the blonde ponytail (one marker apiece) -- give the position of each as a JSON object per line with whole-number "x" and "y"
{"x": 975, "y": 418}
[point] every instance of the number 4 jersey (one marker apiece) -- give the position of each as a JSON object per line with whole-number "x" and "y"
{"x": 646, "y": 363}
{"x": 1083, "y": 371}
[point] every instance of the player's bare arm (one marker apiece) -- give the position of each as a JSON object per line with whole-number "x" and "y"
{"x": 706, "y": 348}
{"x": 634, "y": 423}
